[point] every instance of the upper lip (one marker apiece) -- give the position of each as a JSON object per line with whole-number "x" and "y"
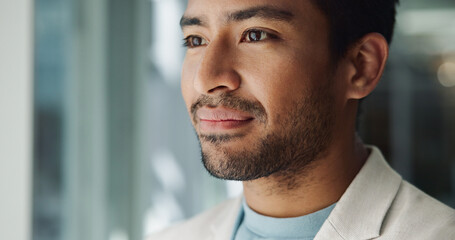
{"x": 222, "y": 114}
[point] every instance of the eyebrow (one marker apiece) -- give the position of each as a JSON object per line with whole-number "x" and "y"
{"x": 264, "y": 12}
{"x": 193, "y": 21}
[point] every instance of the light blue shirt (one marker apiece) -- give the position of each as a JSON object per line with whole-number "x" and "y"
{"x": 251, "y": 225}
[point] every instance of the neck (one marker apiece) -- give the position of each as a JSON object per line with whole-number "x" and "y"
{"x": 322, "y": 183}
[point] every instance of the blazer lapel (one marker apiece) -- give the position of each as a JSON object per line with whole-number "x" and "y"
{"x": 361, "y": 210}
{"x": 328, "y": 232}
{"x": 222, "y": 226}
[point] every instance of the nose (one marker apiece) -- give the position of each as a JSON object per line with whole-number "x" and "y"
{"x": 216, "y": 72}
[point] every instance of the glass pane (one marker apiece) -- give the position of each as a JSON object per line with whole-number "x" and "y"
{"x": 91, "y": 67}
{"x": 51, "y": 71}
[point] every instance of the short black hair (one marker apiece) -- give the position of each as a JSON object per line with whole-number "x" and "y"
{"x": 350, "y": 20}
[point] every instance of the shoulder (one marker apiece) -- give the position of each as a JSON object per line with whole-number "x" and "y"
{"x": 199, "y": 226}
{"x": 415, "y": 215}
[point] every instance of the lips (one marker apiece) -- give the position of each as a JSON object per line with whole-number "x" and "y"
{"x": 221, "y": 119}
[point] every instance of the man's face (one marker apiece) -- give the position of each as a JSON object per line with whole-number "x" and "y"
{"x": 257, "y": 82}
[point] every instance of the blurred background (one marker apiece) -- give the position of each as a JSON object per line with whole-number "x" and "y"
{"x": 114, "y": 153}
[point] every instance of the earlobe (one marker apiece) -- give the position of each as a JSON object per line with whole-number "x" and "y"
{"x": 368, "y": 58}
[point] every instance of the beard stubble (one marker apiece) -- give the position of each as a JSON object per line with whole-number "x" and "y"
{"x": 304, "y": 134}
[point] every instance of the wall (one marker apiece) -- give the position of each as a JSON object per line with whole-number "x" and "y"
{"x": 15, "y": 118}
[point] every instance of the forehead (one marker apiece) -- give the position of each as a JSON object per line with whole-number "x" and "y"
{"x": 216, "y": 5}
{"x": 210, "y": 10}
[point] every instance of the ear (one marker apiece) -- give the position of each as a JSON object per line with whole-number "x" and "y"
{"x": 367, "y": 59}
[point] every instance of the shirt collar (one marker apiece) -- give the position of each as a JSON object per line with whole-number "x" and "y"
{"x": 296, "y": 228}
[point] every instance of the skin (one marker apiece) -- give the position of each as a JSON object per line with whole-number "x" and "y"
{"x": 277, "y": 73}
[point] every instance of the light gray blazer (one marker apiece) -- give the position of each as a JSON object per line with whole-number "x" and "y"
{"x": 378, "y": 204}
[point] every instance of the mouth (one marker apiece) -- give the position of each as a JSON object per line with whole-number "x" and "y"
{"x": 215, "y": 120}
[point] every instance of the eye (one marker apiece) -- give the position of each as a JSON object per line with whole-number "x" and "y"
{"x": 194, "y": 41}
{"x": 256, "y": 35}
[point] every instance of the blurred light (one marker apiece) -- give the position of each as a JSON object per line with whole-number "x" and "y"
{"x": 165, "y": 210}
{"x": 118, "y": 235}
{"x": 428, "y": 21}
{"x": 446, "y": 74}
{"x": 168, "y": 171}
{"x": 167, "y": 54}
{"x": 430, "y": 31}
{"x": 234, "y": 188}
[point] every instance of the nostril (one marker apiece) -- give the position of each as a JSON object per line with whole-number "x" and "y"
{"x": 218, "y": 88}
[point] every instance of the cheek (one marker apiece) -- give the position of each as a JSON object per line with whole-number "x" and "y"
{"x": 277, "y": 82}
{"x": 283, "y": 68}
{"x": 186, "y": 83}
{"x": 282, "y": 78}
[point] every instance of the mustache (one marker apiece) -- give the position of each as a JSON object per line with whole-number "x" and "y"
{"x": 229, "y": 101}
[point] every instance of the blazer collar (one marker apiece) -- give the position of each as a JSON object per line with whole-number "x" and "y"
{"x": 222, "y": 226}
{"x": 361, "y": 210}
